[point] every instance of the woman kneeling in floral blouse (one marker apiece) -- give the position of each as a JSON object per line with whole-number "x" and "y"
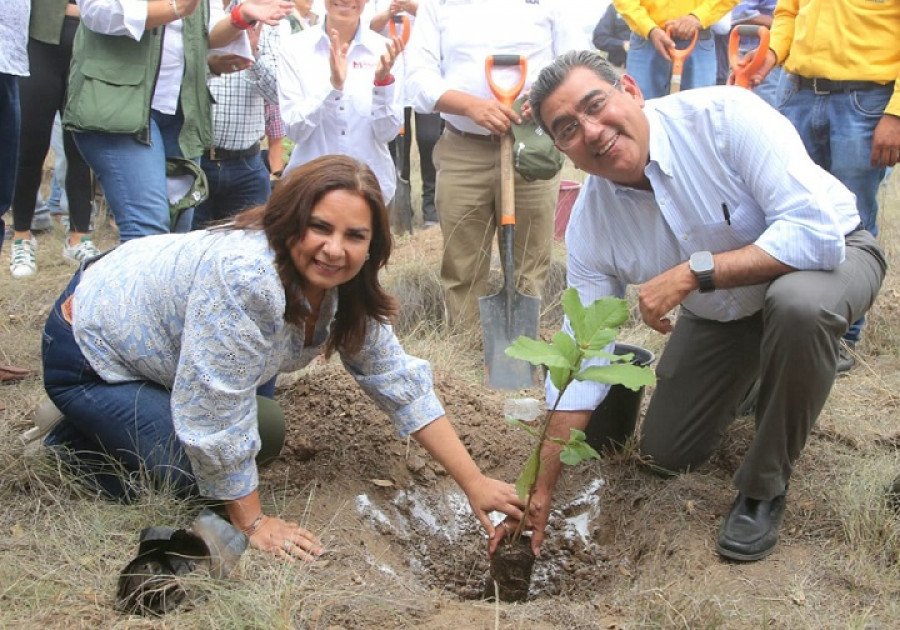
{"x": 155, "y": 352}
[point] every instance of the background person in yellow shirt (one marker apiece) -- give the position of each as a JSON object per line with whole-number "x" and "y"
{"x": 649, "y": 62}
{"x": 840, "y": 90}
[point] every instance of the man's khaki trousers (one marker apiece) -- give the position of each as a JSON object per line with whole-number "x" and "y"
{"x": 468, "y": 206}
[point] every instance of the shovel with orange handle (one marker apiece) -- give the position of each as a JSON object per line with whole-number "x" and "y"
{"x": 400, "y": 209}
{"x": 742, "y": 73}
{"x": 403, "y": 22}
{"x": 508, "y": 314}
{"x": 679, "y": 55}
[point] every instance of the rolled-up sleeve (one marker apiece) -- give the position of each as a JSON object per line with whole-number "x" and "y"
{"x": 233, "y": 313}
{"x": 400, "y": 384}
{"x": 808, "y": 212}
{"x": 424, "y": 78}
{"x": 115, "y": 17}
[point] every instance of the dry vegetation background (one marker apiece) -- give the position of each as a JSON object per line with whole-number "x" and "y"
{"x": 650, "y": 561}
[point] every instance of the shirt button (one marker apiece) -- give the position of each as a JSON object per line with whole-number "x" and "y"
{"x": 343, "y": 133}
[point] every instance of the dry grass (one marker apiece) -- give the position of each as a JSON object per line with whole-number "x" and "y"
{"x": 838, "y": 564}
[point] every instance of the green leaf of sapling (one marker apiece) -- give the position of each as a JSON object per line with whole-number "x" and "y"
{"x": 576, "y": 435}
{"x": 568, "y": 348}
{"x": 577, "y": 440}
{"x": 529, "y": 475}
{"x": 612, "y": 358}
{"x": 608, "y": 312}
{"x": 560, "y": 377}
{"x": 537, "y": 352}
{"x": 631, "y": 376}
{"x": 574, "y": 310}
{"x": 569, "y": 456}
{"x": 600, "y": 339}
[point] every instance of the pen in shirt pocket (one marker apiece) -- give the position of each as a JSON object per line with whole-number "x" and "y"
{"x": 726, "y": 213}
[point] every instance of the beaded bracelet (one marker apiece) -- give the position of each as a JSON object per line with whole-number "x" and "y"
{"x": 253, "y": 526}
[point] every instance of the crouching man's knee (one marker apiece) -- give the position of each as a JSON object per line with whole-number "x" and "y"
{"x": 666, "y": 456}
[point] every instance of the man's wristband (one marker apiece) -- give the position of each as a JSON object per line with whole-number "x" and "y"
{"x": 174, "y": 5}
{"x": 389, "y": 79}
{"x": 238, "y": 21}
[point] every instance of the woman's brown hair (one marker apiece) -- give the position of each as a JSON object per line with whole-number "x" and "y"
{"x": 285, "y": 218}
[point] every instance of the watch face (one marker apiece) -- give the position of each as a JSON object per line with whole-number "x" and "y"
{"x": 701, "y": 262}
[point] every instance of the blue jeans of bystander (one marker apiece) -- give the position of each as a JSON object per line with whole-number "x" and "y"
{"x": 133, "y": 175}
{"x": 837, "y": 131}
{"x": 654, "y": 74}
{"x": 234, "y": 185}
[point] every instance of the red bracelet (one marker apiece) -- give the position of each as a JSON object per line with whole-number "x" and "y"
{"x": 237, "y": 20}
{"x": 385, "y": 81}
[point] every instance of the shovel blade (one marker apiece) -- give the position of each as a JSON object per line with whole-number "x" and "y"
{"x": 500, "y": 330}
{"x": 400, "y": 209}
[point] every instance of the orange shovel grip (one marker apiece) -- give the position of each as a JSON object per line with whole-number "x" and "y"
{"x": 742, "y": 74}
{"x": 392, "y": 27}
{"x": 506, "y": 95}
{"x": 680, "y": 54}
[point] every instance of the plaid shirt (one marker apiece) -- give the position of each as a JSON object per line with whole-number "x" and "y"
{"x": 237, "y": 114}
{"x": 292, "y": 24}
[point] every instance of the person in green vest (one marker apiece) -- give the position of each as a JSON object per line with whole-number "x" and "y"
{"x": 137, "y": 95}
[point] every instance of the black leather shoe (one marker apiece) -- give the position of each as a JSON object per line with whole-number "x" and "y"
{"x": 750, "y": 531}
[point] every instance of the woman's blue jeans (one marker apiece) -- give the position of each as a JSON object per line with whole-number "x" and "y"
{"x": 118, "y": 437}
{"x": 133, "y": 175}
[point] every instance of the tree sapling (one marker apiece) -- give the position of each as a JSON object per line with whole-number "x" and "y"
{"x": 595, "y": 327}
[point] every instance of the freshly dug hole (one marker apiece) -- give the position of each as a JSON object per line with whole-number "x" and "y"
{"x": 337, "y": 437}
{"x": 511, "y": 567}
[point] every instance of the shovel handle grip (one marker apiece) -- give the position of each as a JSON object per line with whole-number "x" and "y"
{"x": 742, "y": 74}
{"x": 680, "y": 54}
{"x": 506, "y": 95}
{"x": 403, "y": 21}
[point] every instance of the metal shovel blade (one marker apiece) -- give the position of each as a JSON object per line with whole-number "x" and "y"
{"x": 506, "y": 316}
{"x": 401, "y": 208}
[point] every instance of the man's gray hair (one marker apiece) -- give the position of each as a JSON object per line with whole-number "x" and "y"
{"x": 553, "y": 75}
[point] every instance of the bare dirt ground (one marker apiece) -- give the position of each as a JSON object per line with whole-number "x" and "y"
{"x": 626, "y": 548}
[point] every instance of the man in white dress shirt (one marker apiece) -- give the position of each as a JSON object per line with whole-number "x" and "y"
{"x": 446, "y": 58}
{"x": 708, "y": 200}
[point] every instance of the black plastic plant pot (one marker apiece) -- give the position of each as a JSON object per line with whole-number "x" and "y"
{"x": 511, "y": 567}
{"x": 613, "y": 421}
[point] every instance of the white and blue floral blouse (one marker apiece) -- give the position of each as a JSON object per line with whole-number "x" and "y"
{"x": 203, "y": 314}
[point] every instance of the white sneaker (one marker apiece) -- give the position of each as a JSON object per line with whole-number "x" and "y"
{"x": 83, "y": 249}
{"x": 22, "y": 260}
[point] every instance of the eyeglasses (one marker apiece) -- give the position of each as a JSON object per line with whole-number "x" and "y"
{"x": 569, "y": 134}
